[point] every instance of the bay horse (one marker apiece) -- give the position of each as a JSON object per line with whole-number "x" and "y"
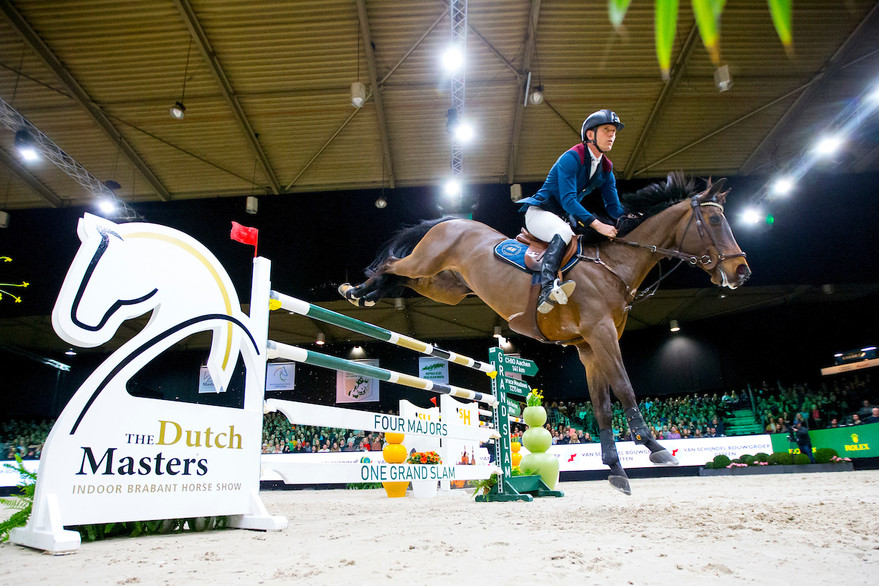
{"x": 449, "y": 259}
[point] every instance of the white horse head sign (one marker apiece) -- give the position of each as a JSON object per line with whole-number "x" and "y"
{"x": 112, "y": 456}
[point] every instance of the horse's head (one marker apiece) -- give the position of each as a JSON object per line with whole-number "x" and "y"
{"x": 95, "y": 298}
{"x": 705, "y": 234}
{"x": 123, "y": 271}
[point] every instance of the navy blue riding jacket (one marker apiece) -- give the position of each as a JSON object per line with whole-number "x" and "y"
{"x": 568, "y": 185}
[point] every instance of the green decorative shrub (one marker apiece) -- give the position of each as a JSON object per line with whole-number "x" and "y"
{"x": 721, "y": 461}
{"x": 709, "y": 465}
{"x": 824, "y": 455}
{"x": 801, "y": 459}
{"x": 749, "y": 460}
{"x": 785, "y": 458}
{"x": 761, "y": 457}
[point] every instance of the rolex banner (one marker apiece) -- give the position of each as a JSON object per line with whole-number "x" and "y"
{"x": 852, "y": 441}
{"x": 356, "y": 388}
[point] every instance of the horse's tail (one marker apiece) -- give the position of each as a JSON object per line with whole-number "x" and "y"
{"x": 400, "y": 245}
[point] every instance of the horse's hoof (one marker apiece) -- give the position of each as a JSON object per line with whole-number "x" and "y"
{"x": 621, "y": 483}
{"x": 663, "y": 458}
{"x": 346, "y": 290}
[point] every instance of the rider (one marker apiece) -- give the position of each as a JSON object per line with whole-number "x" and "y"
{"x": 570, "y": 181}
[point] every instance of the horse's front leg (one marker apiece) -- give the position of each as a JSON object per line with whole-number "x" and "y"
{"x": 607, "y": 352}
{"x": 599, "y": 392}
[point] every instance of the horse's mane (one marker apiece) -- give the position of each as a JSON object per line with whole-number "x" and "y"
{"x": 652, "y": 199}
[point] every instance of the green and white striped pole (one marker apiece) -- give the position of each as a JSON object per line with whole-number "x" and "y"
{"x": 300, "y": 307}
{"x": 278, "y": 350}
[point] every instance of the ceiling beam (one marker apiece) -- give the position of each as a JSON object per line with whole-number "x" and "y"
{"x": 376, "y": 91}
{"x": 79, "y": 94}
{"x": 35, "y": 184}
{"x": 226, "y": 89}
{"x": 519, "y": 115}
{"x": 833, "y": 64}
{"x": 666, "y": 93}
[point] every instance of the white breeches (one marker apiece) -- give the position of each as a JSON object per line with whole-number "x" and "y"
{"x": 545, "y": 225}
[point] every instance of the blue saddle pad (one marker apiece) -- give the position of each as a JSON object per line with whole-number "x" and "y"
{"x": 513, "y": 252}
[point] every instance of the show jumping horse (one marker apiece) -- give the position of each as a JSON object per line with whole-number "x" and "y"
{"x": 449, "y": 259}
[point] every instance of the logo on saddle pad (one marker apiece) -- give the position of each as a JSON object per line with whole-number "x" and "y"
{"x": 514, "y": 252}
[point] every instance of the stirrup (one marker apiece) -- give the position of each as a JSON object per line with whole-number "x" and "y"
{"x": 561, "y": 291}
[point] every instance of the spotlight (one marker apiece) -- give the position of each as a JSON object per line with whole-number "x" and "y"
{"x": 497, "y": 332}
{"x": 751, "y": 216}
{"x": 178, "y": 111}
{"x": 381, "y": 203}
{"x": 358, "y": 94}
{"x": 70, "y": 352}
{"x": 26, "y": 146}
{"x": 453, "y": 59}
{"x": 321, "y": 339}
{"x": 674, "y": 326}
{"x": 251, "y": 205}
{"x": 828, "y": 145}
{"x": 452, "y": 188}
{"x": 107, "y": 205}
{"x": 783, "y": 186}
{"x": 463, "y": 132}
{"x": 722, "y": 78}
{"x": 399, "y": 304}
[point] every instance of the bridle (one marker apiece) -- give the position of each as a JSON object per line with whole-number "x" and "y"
{"x": 696, "y": 218}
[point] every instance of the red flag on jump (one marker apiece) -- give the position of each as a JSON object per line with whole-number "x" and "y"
{"x": 245, "y": 235}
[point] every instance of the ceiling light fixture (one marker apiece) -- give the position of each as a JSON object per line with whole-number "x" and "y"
{"x": 381, "y": 203}
{"x": 674, "y": 326}
{"x": 321, "y": 339}
{"x": 722, "y": 78}
{"x": 535, "y": 98}
{"x": 178, "y": 110}
{"x": 497, "y": 331}
{"x": 358, "y": 94}
{"x": 26, "y": 146}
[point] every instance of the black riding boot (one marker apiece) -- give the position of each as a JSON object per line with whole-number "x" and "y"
{"x": 611, "y": 459}
{"x": 642, "y": 436}
{"x": 552, "y": 290}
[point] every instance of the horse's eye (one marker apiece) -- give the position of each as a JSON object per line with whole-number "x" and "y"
{"x": 714, "y": 220}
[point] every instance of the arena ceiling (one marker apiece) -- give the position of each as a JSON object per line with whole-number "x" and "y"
{"x": 267, "y": 91}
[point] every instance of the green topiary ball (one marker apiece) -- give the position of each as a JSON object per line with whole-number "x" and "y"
{"x": 824, "y": 455}
{"x": 801, "y": 459}
{"x": 761, "y": 457}
{"x": 785, "y": 458}
{"x": 721, "y": 461}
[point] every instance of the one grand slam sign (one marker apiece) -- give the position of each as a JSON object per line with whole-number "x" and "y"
{"x": 114, "y": 457}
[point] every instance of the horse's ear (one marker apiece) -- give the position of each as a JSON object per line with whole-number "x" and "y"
{"x": 714, "y": 191}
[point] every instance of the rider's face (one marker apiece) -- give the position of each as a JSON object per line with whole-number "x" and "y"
{"x": 605, "y": 135}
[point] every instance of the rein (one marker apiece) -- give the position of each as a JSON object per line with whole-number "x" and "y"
{"x": 691, "y": 259}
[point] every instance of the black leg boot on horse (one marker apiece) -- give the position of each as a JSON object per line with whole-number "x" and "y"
{"x": 552, "y": 290}
{"x": 643, "y": 437}
{"x": 611, "y": 459}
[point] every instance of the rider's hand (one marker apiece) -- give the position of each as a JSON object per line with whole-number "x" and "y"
{"x": 603, "y": 229}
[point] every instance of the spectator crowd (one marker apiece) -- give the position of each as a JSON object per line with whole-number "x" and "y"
{"x": 844, "y": 401}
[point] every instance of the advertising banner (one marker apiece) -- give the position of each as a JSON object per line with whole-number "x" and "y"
{"x": 433, "y": 369}
{"x": 280, "y": 376}
{"x": 853, "y": 441}
{"x": 356, "y": 388}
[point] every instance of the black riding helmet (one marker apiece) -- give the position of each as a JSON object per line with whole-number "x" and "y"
{"x": 597, "y": 119}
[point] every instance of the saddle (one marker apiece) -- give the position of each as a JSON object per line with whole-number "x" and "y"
{"x": 537, "y": 248}
{"x": 525, "y": 323}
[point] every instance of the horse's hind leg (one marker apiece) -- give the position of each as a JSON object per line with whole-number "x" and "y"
{"x": 599, "y": 392}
